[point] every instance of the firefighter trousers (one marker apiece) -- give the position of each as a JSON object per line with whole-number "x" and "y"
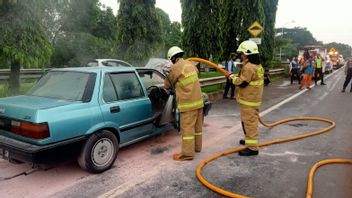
{"x": 249, "y": 118}
{"x": 191, "y": 129}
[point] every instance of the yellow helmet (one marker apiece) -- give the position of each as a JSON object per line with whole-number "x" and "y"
{"x": 173, "y": 51}
{"x": 248, "y": 47}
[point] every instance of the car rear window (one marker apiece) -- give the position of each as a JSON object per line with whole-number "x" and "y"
{"x": 65, "y": 85}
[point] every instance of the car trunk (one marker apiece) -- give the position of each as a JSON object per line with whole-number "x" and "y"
{"x": 26, "y": 107}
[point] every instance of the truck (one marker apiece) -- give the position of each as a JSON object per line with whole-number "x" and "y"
{"x": 335, "y": 58}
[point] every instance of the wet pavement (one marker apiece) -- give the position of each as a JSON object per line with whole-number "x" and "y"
{"x": 146, "y": 169}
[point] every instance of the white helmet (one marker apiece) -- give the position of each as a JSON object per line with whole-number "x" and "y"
{"x": 173, "y": 51}
{"x": 248, "y": 47}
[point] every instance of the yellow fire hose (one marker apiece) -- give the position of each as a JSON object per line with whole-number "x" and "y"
{"x": 312, "y": 170}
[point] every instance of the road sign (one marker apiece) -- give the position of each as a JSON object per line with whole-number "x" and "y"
{"x": 257, "y": 41}
{"x": 255, "y": 29}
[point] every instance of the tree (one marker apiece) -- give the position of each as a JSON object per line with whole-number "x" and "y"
{"x": 139, "y": 31}
{"x": 201, "y": 28}
{"x": 106, "y": 25}
{"x": 237, "y": 17}
{"x": 268, "y": 37}
{"x": 174, "y": 36}
{"x": 23, "y": 42}
{"x": 230, "y": 26}
{"x": 250, "y": 11}
{"x": 85, "y": 32}
{"x": 300, "y": 36}
{"x": 171, "y": 32}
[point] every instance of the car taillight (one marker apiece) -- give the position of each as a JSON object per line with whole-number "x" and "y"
{"x": 31, "y": 130}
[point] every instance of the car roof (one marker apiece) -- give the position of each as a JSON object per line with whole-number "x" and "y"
{"x": 97, "y": 69}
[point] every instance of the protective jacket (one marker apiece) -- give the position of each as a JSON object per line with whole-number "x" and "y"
{"x": 250, "y": 81}
{"x": 184, "y": 76}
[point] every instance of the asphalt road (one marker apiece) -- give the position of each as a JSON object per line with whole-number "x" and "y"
{"x": 146, "y": 169}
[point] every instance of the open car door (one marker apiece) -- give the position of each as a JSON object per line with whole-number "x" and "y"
{"x": 163, "y": 102}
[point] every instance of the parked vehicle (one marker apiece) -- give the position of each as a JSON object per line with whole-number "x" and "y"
{"x": 108, "y": 63}
{"x": 337, "y": 60}
{"x": 90, "y": 112}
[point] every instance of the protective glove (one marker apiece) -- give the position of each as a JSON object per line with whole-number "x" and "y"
{"x": 233, "y": 77}
{"x": 171, "y": 92}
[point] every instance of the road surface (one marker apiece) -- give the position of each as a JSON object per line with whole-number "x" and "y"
{"x": 146, "y": 169}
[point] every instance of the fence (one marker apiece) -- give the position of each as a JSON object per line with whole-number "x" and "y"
{"x": 36, "y": 73}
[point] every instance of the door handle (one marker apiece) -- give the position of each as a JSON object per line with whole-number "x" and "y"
{"x": 115, "y": 109}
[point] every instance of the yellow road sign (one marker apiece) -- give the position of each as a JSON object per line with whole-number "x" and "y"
{"x": 255, "y": 29}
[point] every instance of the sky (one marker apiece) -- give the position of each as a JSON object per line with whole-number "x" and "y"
{"x": 328, "y": 21}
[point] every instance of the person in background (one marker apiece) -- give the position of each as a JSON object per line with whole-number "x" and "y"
{"x": 294, "y": 70}
{"x": 348, "y": 73}
{"x": 266, "y": 77}
{"x": 319, "y": 70}
{"x": 230, "y": 67}
{"x": 308, "y": 73}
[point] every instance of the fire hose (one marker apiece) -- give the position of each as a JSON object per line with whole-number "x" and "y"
{"x": 276, "y": 141}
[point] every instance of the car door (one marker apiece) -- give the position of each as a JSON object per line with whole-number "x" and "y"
{"x": 153, "y": 78}
{"x": 125, "y": 104}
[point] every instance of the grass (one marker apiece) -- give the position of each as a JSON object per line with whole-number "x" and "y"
{"x": 24, "y": 87}
{"x": 210, "y": 74}
{"x": 212, "y": 88}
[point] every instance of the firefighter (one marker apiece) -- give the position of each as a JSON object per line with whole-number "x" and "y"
{"x": 184, "y": 76}
{"x": 249, "y": 96}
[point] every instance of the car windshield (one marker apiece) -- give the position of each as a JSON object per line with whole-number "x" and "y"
{"x": 65, "y": 85}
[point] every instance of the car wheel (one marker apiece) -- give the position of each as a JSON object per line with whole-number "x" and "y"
{"x": 99, "y": 152}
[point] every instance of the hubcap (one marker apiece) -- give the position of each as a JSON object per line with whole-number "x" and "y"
{"x": 102, "y": 152}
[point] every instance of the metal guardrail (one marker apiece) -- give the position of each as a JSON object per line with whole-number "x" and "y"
{"x": 24, "y": 73}
{"x": 37, "y": 73}
{"x": 221, "y": 79}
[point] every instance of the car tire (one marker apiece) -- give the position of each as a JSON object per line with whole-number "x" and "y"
{"x": 99, "y": 152}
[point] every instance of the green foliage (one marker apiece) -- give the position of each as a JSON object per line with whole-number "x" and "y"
{"x": 23, "y": 42}
{"x": 139, "y": 31}
{"x": 343, "y": 49}
{"x": 288, "y": 48}
{"x": 268, "y": 37}
{"x": 106, "y": 25}
{"x": 81, "y": 16}
{"x": 251, "y": 11}
{"x": 231, "y": 26}
{"x": 83, "y": 32}
{"x": 201, "y": 28}
{"x": 174, "y": 36}
{"x": 76, "y": 49}
{"x": 171, "y": 32}
{"x": 299, "y": 36}
{"x": 22, "y": 35}
{"x": 238, "y": 16}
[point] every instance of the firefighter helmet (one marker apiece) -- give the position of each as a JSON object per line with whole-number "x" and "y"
{"x": 173, "y": 51}
{"x": 248, "y": 47}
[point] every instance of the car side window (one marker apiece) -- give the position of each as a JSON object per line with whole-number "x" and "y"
{"x": 109, "y": 93}
{"x": 151, "y": 78}
{"x": 127, "y": 86}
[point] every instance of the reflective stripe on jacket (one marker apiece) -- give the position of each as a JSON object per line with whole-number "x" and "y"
{"x": 250, "y": 95}
{"x": 184, "y": 76}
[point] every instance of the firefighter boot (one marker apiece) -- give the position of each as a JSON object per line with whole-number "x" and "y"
{"x": 180, "y": 157}
{"x": 248, "y": 152}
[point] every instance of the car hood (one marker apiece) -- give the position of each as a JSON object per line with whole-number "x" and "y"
{"x": 26, "y": 107}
